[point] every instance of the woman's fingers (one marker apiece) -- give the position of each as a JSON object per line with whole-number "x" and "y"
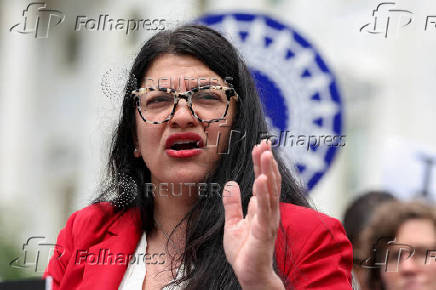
{"x": 275, "y": 195}
{"x": 266, "y": 161}
{"x": 269, "y": 167}
{"x": 266, "y": 221}
{"x": 255, "y": 154}
{"x": 278, "y": 177}
{"x": 232, "y": 203}
{"x": 277, "y": 174}
{"x": 267, "y": 185}
{"x": 260, "y": 188}
{"x": 252, "y": 208}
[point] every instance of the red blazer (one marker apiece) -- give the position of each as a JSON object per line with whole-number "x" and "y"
{"x": 314, "y": 253}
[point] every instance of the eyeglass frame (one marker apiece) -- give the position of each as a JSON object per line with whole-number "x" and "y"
{"x": 187, "y": 96}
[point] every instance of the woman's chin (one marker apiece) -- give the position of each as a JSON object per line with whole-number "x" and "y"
{"x": 182, "y": 176}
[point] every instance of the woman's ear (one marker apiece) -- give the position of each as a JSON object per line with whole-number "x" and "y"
{"x": 136, "y": 153}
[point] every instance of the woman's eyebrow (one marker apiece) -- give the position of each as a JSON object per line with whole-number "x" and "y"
{"x": 190, "y": 82}
{"x": 204, "y": 82}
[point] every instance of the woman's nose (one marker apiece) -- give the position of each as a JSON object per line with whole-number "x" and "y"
{"x": 408, "y": 266}
{"x": 182, "y": 116}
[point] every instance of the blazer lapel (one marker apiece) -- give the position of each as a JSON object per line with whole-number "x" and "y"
{"x": 107, "y": 260}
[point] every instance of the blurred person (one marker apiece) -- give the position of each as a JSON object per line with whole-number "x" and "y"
{"x": 356, "y": 218}
{"x": 259, "y": 232}
{"x": 400, "y": 243}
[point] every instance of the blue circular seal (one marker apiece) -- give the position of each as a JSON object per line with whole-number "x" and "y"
{"x": 298, "y": 90}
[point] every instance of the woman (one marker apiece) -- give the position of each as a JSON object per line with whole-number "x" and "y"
{"x": 193, "y": 94}
{"x": 399, "y": 245}
{"x": 356, "y": 219}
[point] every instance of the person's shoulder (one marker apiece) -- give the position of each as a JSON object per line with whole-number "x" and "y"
{"x": 93, "y": 221}
{"x": 302, "y": 221}
{"x": 292, "y": 213}
{"x": 95, "y": 211}
{"x": 313, "y": 249}
{"x": 94, "y": 214}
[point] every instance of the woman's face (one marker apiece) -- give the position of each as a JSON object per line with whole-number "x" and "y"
{"x": 155, "y": 143}
{"x": 417, "y": 269}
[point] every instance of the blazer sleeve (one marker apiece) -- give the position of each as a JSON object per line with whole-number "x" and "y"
{"x": 322, "y": 259}
{"x": 59, "y": 262}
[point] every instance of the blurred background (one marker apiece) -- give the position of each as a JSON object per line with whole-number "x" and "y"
{"x": 59, "y": 102}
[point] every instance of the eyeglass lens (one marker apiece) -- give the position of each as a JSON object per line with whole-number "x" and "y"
{"x": 207, "y": 103}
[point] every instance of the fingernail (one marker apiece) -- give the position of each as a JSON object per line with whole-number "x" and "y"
{"x": 230, "y": 183}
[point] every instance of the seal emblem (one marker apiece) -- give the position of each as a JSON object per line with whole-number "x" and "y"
{"x": 298, "y": 90}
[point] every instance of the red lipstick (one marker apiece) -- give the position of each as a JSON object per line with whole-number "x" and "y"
{"x": 183, "y": 145}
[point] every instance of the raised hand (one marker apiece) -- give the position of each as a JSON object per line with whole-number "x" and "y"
{"x": 249, "y": 242}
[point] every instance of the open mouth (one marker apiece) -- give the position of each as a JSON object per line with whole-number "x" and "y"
{"x": 185, "y": 145}
{"x": 184, "y": 141}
